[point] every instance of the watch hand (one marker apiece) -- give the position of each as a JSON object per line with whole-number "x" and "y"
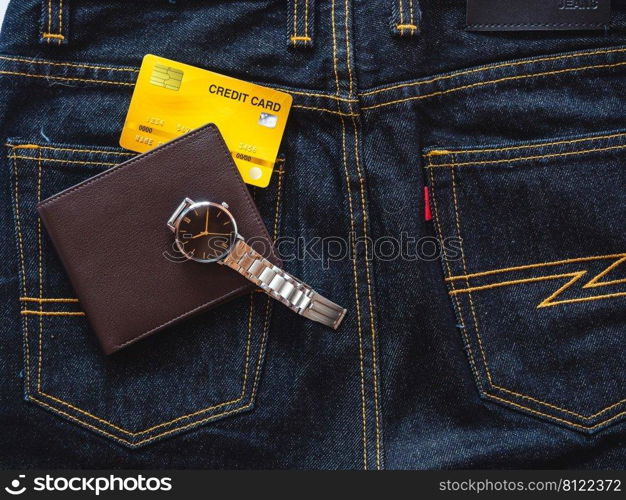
{"x": 205, "y": 233}
{"x": 206, "y": 221}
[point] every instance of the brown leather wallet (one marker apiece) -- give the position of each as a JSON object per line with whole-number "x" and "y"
{"x": 111, "y": 234}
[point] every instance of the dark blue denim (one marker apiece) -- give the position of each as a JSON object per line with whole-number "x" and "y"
{"x": 507, "y": 352}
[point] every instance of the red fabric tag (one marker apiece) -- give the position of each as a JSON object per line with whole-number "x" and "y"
{"x": 427, "y": 215}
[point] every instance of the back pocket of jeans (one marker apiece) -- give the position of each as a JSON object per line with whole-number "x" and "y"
{"x": 201, "y": 370}
{"x": 538, "y": 283}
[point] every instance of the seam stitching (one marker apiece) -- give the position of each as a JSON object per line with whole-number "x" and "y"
{"x": 365, "y": 234}
{"x": 484, "y": 69}
{"x": 63, "y": 64}
{"x": 446, "y": 264}
{"x": 71, "y": 150}
{"x": 529, "y": 158}
{"x": 65, "y": 78}
{"x": 30, "y": 312}
{"x": 532, "y": 266}
{"x": 492, "y": 82}
{"x": 295, "y": 19}
{"x": 513, "y": 25}
{"x": 40, "y": 272}
{"x": 463, "y": 262}
{"x": 58, "y": 160}
{"x": 525, "y": 146}
{"x": 48, "y": 299}
{"x": 353, "y": 232}
{"x": 20, "y": 245}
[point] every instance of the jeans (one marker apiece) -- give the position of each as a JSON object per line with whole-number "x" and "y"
{"x": 486, "y": 313}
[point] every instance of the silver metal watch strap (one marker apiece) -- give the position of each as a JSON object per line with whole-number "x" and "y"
{"x": 283, "y": 287}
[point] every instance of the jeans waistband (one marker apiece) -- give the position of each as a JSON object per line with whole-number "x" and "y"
{"x": 336, "y": 48}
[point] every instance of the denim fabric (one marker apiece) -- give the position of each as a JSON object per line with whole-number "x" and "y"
{"x": 508, "y": 352}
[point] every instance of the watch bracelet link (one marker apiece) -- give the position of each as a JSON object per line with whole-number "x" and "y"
{"x": 280, "y": 285}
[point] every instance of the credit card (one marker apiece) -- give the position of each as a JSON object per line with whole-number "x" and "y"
{"x": 171, "y": 99}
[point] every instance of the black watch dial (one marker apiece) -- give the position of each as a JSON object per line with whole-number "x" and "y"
{"x": 206, "y": 232}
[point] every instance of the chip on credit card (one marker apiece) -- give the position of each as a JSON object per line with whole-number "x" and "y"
{"x": 171, "y": 99}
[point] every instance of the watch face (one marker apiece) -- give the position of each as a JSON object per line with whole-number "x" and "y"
{"x": 206, "y": 232}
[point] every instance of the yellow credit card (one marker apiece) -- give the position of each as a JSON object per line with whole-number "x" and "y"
{"x": 171, "y": 99}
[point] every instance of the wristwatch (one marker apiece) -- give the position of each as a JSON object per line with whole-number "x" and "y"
{"x": 207, "y": 232}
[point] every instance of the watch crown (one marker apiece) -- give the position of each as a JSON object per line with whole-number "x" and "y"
{"x": 224, "y": 204}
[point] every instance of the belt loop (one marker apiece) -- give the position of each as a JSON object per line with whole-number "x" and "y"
{"x": 300, "y": 22}
{"x": 54, "y": 22}
{"x": 406, "y": 16}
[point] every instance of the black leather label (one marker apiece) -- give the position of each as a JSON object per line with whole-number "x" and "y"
{"x": 533, "y": 15}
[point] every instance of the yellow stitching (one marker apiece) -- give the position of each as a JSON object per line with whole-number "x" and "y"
{"x": 64, "y": 78}
{"x": 191, "y": 424}
{"x": 595, "y": 280}
{"x": 401, "y": 9}
{"x": 261, "y": 349}
{"x": 72, "y": 150}
{"x": 49, "y": 15}
{"x": 525, "y": 146}
{"x": 163, "y": 424}
{"x": 126, "y": 441}
{"x": 306, "y": 19}
{"x": 19, "y": 226}
{"x": 134, "y": 70}
{"x": 60, "y": 16}
{"x": 369, "y": 294}
{"x": 23, "y": 269}
{"x": 488, "y": 68}
{"x": 411, "y": 12}
{"x": 38, "y": 299}
{"x": 471, "y": 301}
{"x": 402, "y": 27}
{"x": 340, "y": 113}
{"x": 313, "y": 94}
{"x": 463, "y": 327}
{"x": 21, "y": 146}
{"x": 524, "y": 396}
{"x": 353, "y": 232}
{"x": 490, "y": 82}
{"x": 39, "y": 246}
{"x": 576, "y": 274}
{"x": 528, "y": 158}
{"x": 348, "y": 61}
{"x": 586, "y": 299}
{"x": 71, "y": 65}
{"x": 278, "y": 202}
{"x": 295, "y": 17}
{"x": 303, "y": 38}
{"x": 549, "y": 302}
{"x": 604, "y": 422}
{"x": 51, "y": 313}
{"x": 365, "y": 233}
{"x": 57, "y": 160}
{"x": 53, "y": 35}
{"x": 531, "y": 266}
{"x": 337, "y": 98}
